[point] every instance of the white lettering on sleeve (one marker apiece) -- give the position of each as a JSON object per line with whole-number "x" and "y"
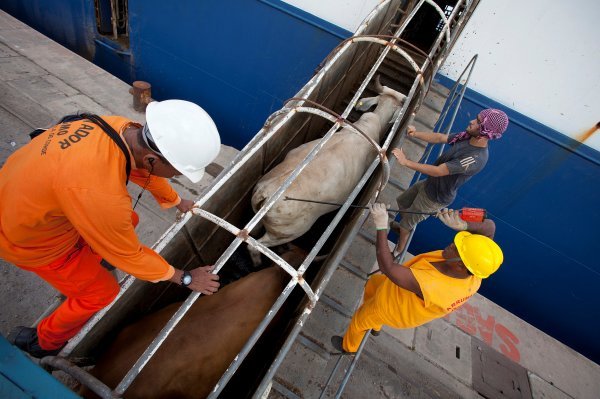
{"x": 466, "y": 162}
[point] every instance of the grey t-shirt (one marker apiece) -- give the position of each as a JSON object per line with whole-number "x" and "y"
{"x": 463, "y": 161}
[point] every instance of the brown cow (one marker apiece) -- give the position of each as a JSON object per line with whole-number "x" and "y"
{"x": 198, "y": 351}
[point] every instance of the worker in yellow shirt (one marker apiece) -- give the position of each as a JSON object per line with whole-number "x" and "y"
{"x": 66, "y": 215}
{"x": 427, "y": 287}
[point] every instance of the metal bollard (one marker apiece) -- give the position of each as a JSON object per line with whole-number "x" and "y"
{"x": 141, "y": 92}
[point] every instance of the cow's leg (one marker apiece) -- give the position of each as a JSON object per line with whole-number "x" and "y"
{"x": 254, "y": 255}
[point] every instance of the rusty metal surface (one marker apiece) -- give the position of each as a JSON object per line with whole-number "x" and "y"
{"x": 142, "y": 95}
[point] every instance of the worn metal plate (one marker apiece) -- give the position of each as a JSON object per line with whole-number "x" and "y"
{"x": 495, "y": 375}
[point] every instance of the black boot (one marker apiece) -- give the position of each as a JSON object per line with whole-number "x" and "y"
{"x": 337, "y": 343}
{"x": 26, "y": 339}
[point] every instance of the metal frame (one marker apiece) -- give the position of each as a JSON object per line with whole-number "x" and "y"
{"x": 291, "y": 337}
{"x": 273, "y": 124}
{"x": 453, "y": 101}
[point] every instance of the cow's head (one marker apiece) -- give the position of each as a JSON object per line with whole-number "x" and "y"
{"x": 395, "y": 98}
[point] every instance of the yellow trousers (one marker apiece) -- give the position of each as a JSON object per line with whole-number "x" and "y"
{"x": 367, "y": 316}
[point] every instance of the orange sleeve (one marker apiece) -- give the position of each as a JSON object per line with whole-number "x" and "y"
{"x": 104, "y": 222}
{"x": 160, "y": 188}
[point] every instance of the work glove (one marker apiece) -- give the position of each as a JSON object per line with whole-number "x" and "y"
{"x": 380, "y": 215}
{"x": 451, "y": 218}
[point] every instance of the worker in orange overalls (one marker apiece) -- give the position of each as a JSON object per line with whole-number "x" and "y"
{"x": 427, "y": 287}
{"x": 65, "y": 210}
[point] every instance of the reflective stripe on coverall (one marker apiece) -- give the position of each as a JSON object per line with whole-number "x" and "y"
{"x": 385, "y": 303}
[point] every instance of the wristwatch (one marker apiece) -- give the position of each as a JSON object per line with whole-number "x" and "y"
{"x": 186, "y": 278}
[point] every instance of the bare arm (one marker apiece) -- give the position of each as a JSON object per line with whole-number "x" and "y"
{"x": 429, "y": 170}
{"x": 486, "y": 228}
{"x": 429, "y": 137}
{"x": 398, "y": 274}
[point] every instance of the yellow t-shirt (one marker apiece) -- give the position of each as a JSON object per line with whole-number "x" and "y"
{"x": 442, "y": 294}
{"x": 69, "y": 182}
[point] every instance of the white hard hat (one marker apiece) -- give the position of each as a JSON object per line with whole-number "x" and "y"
{"x": 184, "y": 134}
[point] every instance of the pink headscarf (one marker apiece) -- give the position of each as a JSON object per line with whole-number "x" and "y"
{"x": 493, "y": 124}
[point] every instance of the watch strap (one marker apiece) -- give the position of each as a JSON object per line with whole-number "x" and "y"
{"x": 183, "y": 278}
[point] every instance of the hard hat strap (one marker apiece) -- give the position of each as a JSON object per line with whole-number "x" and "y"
{"x": 149, "y": 140}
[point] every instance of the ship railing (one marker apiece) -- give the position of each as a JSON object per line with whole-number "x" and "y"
{"x": 299, "y": 104}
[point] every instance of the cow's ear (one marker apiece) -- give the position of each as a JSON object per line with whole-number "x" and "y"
{"x": 365, "y": 103}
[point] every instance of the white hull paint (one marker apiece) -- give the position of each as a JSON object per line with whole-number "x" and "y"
{"x": 347, "y": 14}
{"x": 539, "y": 58}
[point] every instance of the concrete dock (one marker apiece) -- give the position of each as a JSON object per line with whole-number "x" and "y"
{"x": 481, "y": 350}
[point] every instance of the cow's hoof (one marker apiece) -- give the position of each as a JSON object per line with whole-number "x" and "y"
{"x": 255, "y": 257}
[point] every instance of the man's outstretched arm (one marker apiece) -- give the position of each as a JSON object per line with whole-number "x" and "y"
{"x": 429, "y": 170}
{"x": 400, "y": 275}
{"x": 452, "y": 219}
{"x": 429, "y": 137}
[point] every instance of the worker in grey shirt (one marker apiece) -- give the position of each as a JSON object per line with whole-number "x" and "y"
{"x": 467, "y": 155}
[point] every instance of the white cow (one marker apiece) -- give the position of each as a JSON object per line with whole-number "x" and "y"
{"x": 330, "y": 176}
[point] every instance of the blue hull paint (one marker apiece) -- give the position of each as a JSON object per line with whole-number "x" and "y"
{"x": 541, "y": 189}
{"x": 204, "y": 51}
{"x": 221, "y": 69}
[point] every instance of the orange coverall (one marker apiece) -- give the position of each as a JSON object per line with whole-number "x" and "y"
{"x": 386, "y": 303}
{"x": 64, "y": 206}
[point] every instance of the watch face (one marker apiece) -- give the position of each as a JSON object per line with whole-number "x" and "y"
{"x": 186, "y": 279}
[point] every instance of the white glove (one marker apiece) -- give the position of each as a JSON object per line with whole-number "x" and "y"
{"x": 451, "y": 218}
{"x": 380, "y": 215}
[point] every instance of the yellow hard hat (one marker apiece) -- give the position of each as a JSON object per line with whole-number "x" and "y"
{"x": 480, "y": 254}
